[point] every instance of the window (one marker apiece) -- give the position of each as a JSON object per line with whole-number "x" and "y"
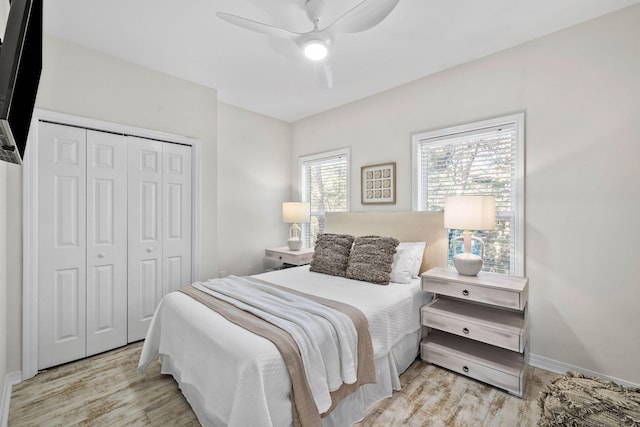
{"x": 325, "y": 184}
{"x": 483, "y": 158}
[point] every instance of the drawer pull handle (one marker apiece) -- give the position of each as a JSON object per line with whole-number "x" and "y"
{"x": 465, "y": 330}
{"x": 465, "y": 369}
{"x": 465, "y": 293}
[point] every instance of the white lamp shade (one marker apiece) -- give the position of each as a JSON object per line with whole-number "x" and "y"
{"x": 295, "y": 212}
{"x": 470, "y": 212}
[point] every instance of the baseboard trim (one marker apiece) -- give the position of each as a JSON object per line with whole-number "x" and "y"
{"x": 561, "y": 367}
{"x": 11, "y": 379}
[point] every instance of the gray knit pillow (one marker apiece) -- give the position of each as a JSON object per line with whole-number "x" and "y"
{"x": 371, "y": 259}
{"x": 331, "y": 254}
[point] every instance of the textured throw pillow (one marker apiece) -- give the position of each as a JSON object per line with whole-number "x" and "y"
{"x": 371, "y": 259}
{"x": 331, "y": 254}
{"x": 407, "y": 262}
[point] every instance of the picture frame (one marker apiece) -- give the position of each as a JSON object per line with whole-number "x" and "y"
{"x": 378, "y": 184}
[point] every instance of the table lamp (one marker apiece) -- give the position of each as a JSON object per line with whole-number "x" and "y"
{"x": 469, "y": 213}
{"x": 294, "y": 213}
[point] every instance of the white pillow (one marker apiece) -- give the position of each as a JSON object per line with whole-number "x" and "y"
{"x": 407, "y": 261}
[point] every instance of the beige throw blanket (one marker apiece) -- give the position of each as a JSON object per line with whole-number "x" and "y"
{"x": 304, "y": 411}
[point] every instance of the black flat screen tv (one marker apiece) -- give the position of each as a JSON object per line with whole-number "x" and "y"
{"x": 20, "y": 67}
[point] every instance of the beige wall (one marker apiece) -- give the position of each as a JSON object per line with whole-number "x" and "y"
{"x": 580, "y": 91}
{"x": 3, "y": 273}
{"x": 14, "y": 266}
{"x": 253, "y": 180}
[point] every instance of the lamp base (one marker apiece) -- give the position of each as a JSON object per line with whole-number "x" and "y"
{"x": 294, "y": 244}
{"x": 467, "y": 264}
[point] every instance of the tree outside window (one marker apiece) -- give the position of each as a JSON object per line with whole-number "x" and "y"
{"x": 325, "y": 185}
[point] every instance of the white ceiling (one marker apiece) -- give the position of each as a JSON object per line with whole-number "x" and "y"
{"x": 184, "y": 38}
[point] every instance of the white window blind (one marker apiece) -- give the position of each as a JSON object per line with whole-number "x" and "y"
{"x": 325, "y": 184}
{"x": 485, "y": 158}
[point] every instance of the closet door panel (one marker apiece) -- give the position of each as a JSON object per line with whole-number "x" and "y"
{"x": 145, "y": 215}
{"x": 177, "y": 216}
{"x": 61, "y": 244}
{"x": 106, "y": 241}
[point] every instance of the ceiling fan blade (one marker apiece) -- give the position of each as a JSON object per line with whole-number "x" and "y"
{"x": 323, "y": 75}
{"x": 365, "y": 15}
{"x": 259, "y": 27}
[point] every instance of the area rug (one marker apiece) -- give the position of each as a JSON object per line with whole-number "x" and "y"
{"x": 577, "y": 400}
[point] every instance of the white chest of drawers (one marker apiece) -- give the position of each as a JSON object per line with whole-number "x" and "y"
{"x": 478, "y": 326}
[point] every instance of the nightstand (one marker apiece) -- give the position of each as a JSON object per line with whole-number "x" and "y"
{"x": 288, "y": 257}
{"x": 478, "y": 326}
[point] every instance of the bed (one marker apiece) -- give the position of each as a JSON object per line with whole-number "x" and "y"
{"x": 232, "y": 377}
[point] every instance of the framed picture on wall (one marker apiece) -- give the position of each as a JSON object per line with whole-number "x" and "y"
{"x": 378, "y": 184}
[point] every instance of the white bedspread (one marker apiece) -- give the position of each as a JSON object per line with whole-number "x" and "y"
{"x": 233, "y": 377}
{"x": 326, "y": 338}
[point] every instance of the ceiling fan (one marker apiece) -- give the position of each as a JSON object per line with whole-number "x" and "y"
{"x": 315, "y": 44}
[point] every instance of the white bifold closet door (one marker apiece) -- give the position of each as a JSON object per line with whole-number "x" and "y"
{"x": 106, "y": 241}
{"x": 114, "y": 236}
{"x": 176, "y": 236}
{"x": 159, "y": 227}
{"x": 82, "y": 245}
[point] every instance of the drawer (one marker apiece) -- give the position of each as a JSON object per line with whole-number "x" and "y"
{"x": 499, "y": 327}
{"x": 499, "y": 367}
{"x": 489, "y": 288}
{"x": 297, "y": 259}
{"x": 473, "y": 292}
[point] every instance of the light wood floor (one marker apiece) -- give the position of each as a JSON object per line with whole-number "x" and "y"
{"x": 106, "y": 390}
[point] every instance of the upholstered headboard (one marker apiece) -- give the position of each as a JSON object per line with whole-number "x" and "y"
{"x": 404, "y": 226}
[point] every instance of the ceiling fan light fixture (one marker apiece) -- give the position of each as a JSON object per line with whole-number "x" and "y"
{"x": 315, "y": 50}
{"x": 315, "y": 44}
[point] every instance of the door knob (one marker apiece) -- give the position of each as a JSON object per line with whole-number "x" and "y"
{"x": 149, "y": 250}
{"x": 101, "y": 255}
